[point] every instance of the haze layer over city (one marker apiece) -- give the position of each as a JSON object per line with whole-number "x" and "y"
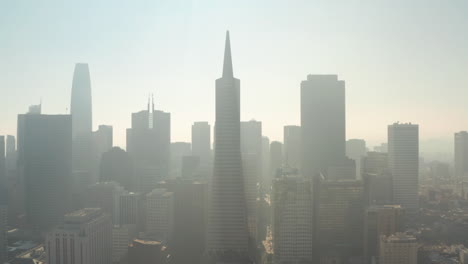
{"x": 270, "y": 132}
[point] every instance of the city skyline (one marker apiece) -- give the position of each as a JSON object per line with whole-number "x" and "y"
{"x": 125, "y": 74}
{"x": 329, "y": 132}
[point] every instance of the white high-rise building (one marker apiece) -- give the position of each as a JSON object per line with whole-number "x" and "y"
{"x": 160, "y": 214}
{"x": 84, "y": 237}
{"x": 403, "y": 162}
{"x": 292, "y": 219}
{"x": 227, "y": 236}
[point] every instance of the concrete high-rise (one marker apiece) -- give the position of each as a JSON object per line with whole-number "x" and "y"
{"x": 276, "y": 158}
{"x": 3, "y": 203}
{"x": 461, "y": 154}
{"x": 122, "y": 236}
{"x": 84, "y": 237}
{"x": 292, "y": 219}
{"x": 266, "y": 177}
{"x": 383, "y": 220}
{"x": 148, "y": 143}
{"x": 44, "y": 162}
{"x": 374, "y": 170}
{"x": 356, "y": 150}
{"x": 178, "y": 151}
{"x": 3, "y": 232}
{"x": 398, "y": 248}
{"x": 81, "y": 104}
{"x": 129, "y": 210}
{"x": 3, "y": 171}
{"x": 292, "y": 146}
{"x": 201, "y": 141}
{"x": 228, "y": 237}
{"x": 403, "y": 163}
{"x": 103, "y": 140}
{"x": 323, "y": 123}
{"x": 11, "y": 155}
{"x": 339, "y": 212}
{"x": 190, "y": 197}
{"x": 160, "y": 214}
{"x": 116, "y": 165}
{"x": 251, "y": 151}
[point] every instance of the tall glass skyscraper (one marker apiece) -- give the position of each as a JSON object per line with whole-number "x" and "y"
{"x": 81, "y": 105}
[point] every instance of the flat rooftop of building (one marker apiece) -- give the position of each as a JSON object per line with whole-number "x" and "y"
{"x": 82, "y": 215}
{"x": 147, "y": 242}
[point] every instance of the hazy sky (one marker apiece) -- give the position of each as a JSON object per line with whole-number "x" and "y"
{"x": 401, "y": 60}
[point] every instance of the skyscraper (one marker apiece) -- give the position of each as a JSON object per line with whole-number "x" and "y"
{"x": 201, "y": 141}
{"x": 461, "y": 154}
{"x": 103, "y": 140}
{"x": 228, "y": 238}
{"x": 323, "y": 123}
{"x": 266, "y": 177}
{"x": 45, "y": 156}
{"x": 84, "y": 237}
{"x": 148, "y": 143}
{"x": 160, "y": 214}
{"x": 11, "y": 155}
{"x": 383, "y": 220}
{"x": 276, "y": 158}
{"x": 117, "y": 166}
{"x": 3, "y": 203}
{"x": 339, "y": 212}
{"x": 178, "y": 151}
{"x": 292, "y": 146}
{"x": 356, "y": 150}
{"x": 403, "y": 162}
{"x": 84, "y": 160}
{"x": 398, "y": 248}
{"x": 190, "y": 197}
{"x": 81, "y": 106}
{"x": 251, "y": 150}
{"x": 3, "y": 232}
{"x": 292, "y": 219}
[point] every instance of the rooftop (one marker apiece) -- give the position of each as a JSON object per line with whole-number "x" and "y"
{"x": 82, "y": 215}
{"x": 399, "y": 238}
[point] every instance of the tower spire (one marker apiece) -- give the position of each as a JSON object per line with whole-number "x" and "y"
{"x": 149, "y": 100}
{"x": 227, "y": 67}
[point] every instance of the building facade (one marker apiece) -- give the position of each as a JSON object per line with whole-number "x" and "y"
{"x": 403, "y": 163}
{"x": 84, "y": 237}
{"x": 323, "y": 123}
{"x": 227, "y": 236}
{"x": 292, "y": 219}
{"x": 160, "y": 214}
{"x": 461, "y": 154}
{"x": 398, "y": 248}
{"x": 45, "y": 157}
